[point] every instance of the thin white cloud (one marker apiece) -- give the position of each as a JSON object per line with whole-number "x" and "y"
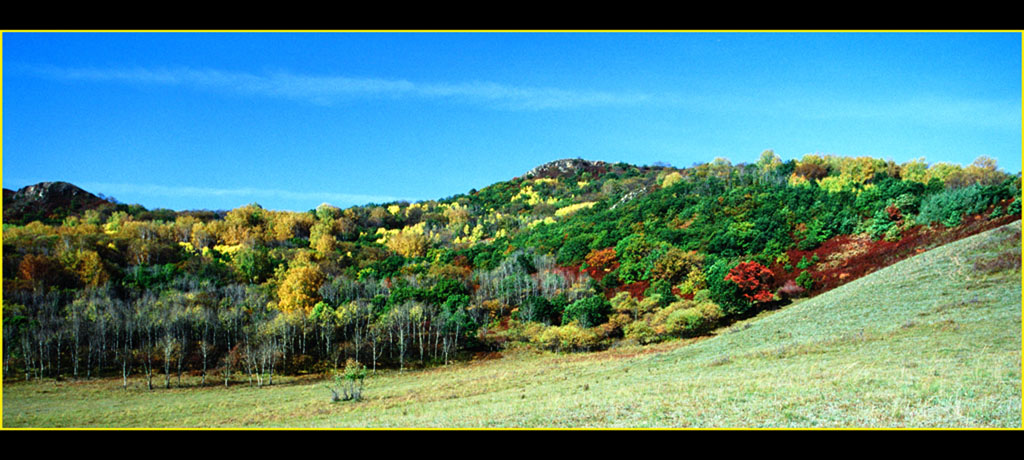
{"x": 931, "y": 109}
{"x": 247, "y": 194}
{"x": 329, "y": 89}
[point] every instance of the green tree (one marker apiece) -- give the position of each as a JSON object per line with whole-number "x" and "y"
{"x": 588, "y": 311}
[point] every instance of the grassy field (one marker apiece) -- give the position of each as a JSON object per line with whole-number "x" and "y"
{"x": 933, "y": 341}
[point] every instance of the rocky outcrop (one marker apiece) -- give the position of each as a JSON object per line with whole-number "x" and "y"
{"x": 568, "y": 166}
{"x": 632, "y": 195}
{"x": 47, "y": 201}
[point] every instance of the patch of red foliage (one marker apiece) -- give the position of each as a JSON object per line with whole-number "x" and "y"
{"x": 636, "y": 289}
{"x": 844, "y": 258}
{"x": 570, "y": 272}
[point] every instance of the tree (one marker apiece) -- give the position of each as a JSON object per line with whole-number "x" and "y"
{"x": 300, "y": 289}
{"x": 538, "y": 309}
{"x": 753, "y": 279}
{"x": 588, "y": 311}
{"x": 601, "y": 261}
{"x": 408, "y": 243}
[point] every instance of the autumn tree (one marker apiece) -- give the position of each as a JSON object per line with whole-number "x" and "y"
{"x": 811, "y": 167}
{"x": 753, "y": 280}
{"x": 674, "y": 264}
{"x": 300, "y": 289}
{"x": 408, "y": 243}
{"x": 601, "y": 261}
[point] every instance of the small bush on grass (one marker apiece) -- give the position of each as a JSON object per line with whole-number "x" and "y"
{"x": 348, "y": 384}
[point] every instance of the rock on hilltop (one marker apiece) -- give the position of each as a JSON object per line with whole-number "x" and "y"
{"x": 568, "y": 166}
{"x": 47, "y": 201}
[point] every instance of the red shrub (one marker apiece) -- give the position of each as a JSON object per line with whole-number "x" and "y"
{"x": 753, "y": 280}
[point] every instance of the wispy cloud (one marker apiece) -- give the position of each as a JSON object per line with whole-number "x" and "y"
{"x": 247, "y": 194}
{"x": 932, "y": 109}
{"x": 331, "y": 89}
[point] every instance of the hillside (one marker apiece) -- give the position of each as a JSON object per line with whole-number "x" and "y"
{"x": 932, "y": 341}
{"x": 574, "y": 255}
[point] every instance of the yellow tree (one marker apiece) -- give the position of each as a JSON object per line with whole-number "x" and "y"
{"x": 89, "y": 268}
{"x": 300, "y": 290}
{"x": 943, "y": 171}
{"x": 915, "y": 170}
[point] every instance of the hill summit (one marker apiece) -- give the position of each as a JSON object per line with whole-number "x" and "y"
{"x": 567, "y": 166}
{"x": 48, "y": 200}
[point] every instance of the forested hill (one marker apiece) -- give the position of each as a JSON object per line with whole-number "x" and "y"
{"x": 573, "y": 255}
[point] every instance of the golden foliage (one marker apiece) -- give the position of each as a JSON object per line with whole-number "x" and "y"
{"x": 676, "y": 263}
{"x": 456, "y": 214}
{"x": 287, "y": 225}
{"x": 325, "y": 243}
{"x": 915, "y": 170}
{"x": 89, "y": 268}
{"x": 300, "y": 289}
{"x": 573, "y": 208}
{"x": 408, "y": 243}
{"x": 671, "y": 178}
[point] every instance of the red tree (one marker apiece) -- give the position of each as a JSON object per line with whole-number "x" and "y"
{"x": 753, "y": 280}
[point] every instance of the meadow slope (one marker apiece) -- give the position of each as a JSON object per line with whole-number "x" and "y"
{"x": 932, "y": 341}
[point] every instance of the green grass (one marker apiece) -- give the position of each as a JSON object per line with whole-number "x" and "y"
{"x": 933, "y": 341}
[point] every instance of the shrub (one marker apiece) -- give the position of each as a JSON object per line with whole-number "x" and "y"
{"x": 348, "y": 384}
{"x": 881, "y": 224}
{"x": 641, "y": 332}
{"x": 537, "y": 309}
{"x": 588, "y": 311}
{"x": 625, "y": 303}
{"x": 688, "y": 322}
{"x": 695, "y": 281}
{"x": 752, "y": 279}
{"x": 601, "y": 261}
{"x": 570, "y": 337}
{"x": 573, "y": 251}
{"x": 805, "y": 281}
{"x": 790, "y": 290}
{"x": 948, "y": 206}
{"x": 724, "y": 292}
{"x": 663, "y": 289}
{"x": 893, "y": 234}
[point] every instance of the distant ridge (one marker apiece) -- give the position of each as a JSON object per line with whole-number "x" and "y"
{"x": 52, "y": 201}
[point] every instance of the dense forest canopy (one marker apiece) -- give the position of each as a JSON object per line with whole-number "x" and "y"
{"x": 573, "y": 255}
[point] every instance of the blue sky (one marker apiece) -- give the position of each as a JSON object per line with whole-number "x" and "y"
{"x": 292, "y": 120}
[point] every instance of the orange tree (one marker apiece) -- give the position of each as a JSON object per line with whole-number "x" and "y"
{"x": 753, "y": 280}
